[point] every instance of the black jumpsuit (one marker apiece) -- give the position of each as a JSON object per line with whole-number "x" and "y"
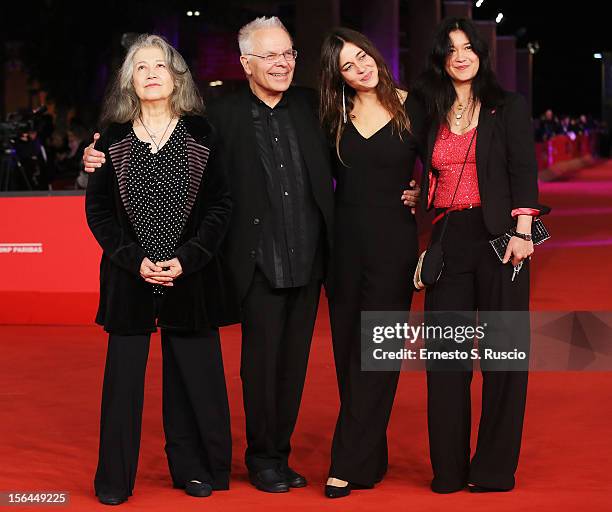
{"x": 375, "y": 254}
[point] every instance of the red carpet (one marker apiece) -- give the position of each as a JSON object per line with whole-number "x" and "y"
{"x": 51, "y": 380}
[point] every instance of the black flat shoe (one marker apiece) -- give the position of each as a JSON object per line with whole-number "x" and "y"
{"x": 198, "y": 489}
{"x": 331, "y": 491}
{"x": 480, "y": 488}
{"x": 107, "y": 499}
{"x": 293, "y": 478}
{"x": 269, "y": 480}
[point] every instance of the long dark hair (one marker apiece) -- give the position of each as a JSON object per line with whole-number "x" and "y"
{"x": 435, "y": 87}
{"x": 331, "y": 83}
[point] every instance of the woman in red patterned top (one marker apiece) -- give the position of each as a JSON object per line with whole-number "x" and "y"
{"x": 480, "y": 171}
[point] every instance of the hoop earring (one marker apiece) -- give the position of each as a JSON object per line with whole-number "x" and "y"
{"x": 343, "y": 104}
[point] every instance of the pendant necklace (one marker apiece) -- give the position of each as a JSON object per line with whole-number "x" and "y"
{"x": 154, "y": 136}
{"x": 460, "y": 111}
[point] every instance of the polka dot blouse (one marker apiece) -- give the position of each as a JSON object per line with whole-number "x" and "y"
{"x": 157, "y": 185}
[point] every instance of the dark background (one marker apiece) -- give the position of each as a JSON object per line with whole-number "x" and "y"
{"x": 566, "y": 76}
{"x": 71, "y": 48}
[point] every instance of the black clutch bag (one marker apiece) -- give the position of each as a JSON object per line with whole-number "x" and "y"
{"x": 539, "y": 234}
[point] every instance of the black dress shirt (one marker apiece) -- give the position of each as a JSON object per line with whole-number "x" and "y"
{"x": 289, "y": 251}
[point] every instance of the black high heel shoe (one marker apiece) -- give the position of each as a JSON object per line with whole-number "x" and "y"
{"x": 198, "y": 489}
{"x": 332, "y": 491}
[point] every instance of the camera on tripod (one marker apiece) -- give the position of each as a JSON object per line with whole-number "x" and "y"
{"x": 18, "y": 124}
{"x": 14, "y": 134}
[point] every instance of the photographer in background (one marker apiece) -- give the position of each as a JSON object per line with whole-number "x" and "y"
{"x": 24, "y": 163}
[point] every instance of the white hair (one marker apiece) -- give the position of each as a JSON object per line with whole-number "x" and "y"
{"x": 246, "y": 32}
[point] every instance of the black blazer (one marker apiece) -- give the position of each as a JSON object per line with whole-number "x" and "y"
{"x": 505, "y": 162}
{"x": 199, "y": 297}
{"x": 232, "y": 118}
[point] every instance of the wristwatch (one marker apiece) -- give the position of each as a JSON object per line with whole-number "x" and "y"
{"x": 524, "y": 236}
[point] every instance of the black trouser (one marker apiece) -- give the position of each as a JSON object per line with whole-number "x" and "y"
{"x": 195, "y": 410}
{"x": 359, "y": 451}
{"x": 375, "y": 253}
{"x": 277, "y": 327}
{"x": 474, "y": 279}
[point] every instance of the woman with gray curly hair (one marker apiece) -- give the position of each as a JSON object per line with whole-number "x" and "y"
{"x": 159, "y": 207}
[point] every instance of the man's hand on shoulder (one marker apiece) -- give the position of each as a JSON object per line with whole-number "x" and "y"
{"x": 92, "y": 158}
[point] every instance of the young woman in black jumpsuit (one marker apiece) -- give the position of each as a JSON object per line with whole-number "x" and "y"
{"x": 375, "y": 242}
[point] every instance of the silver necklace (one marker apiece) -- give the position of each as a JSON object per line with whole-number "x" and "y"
{"x": 154, "y": 136}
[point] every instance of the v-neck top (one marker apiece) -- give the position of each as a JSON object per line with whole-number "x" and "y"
{"x": 373, "y": 134}
{"x": 376, "y": 169}
{"x": 157, "y": 186}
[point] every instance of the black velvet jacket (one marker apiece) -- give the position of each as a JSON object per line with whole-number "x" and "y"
{"x": 199, "y": 296}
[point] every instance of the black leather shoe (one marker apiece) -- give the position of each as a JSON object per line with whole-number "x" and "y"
{"x": 331, "y": 491}
{"x": 293, "y": 478}
{"x": 198, "y": 489}
{"x": 480, "y": 488}
{"x": 269, "y": 480}
{"x": 107, "y": 499}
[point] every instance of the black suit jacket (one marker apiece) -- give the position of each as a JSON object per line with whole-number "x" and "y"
{"x": 199, "y": 297}
{"x": 505, "y": 162}
{"x": 232, "y": 118}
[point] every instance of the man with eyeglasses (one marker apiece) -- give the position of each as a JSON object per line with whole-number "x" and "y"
{"x": 278, "y": 241}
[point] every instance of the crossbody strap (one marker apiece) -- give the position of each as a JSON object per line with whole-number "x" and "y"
{"x": 458, "y": 182}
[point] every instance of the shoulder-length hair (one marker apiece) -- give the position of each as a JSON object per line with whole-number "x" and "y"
{"x": 332, "y": 83}
{"x": 121, "y": 104}
{"x": 436, "y": 87}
